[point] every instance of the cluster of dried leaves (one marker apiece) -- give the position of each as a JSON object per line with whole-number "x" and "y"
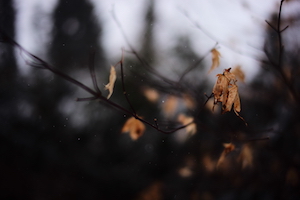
{"x": 225, "y": 91}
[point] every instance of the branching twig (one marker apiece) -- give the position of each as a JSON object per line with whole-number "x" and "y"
{"x": 147, "y": 66}
{"x": 278, "y": 65}
{"x": 96, "y": 95}
{"x": 92, "y": 71}
{"x": 123, "y": 86}
{"x": 214, "y": 38}
{"x": 187, "y": 70}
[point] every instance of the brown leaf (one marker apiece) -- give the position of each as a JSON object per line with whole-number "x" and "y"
{"x": 112, "y": 80}
{"x": 153, "y": 191}
{"x": 189, "y": 101}
{"x": 220, "y": 89}
{"x": 170, "y": 105}
{"x": 229, "y": 75}
{"x": 238, "y": 72}
{"x": 237, "y": 104}
{"x": 191, "y": 129}
{"x": 228, "y": 147}
{"x": 246, "y": 157}
{"x": 226, "y": 91}
{"x": 135, "y": 127}
{"x": 208, "y": 163}
{"x": 215, "y": 59}
{"x": 232, "y": 98}
{"x": 151, "y": 94}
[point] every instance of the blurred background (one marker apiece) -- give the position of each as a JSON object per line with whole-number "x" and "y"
{"x": 54, "y": 147}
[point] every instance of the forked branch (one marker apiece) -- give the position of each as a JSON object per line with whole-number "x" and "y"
{"x": 37, "y": 62}
{"x": 278, "y": 64}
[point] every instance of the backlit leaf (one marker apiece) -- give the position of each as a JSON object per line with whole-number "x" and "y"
{"x": 228, "y": 147}
{"x": 170, "y": 105}
{"x": 225, "y": 91}
{"x": 238, "y": 72}
{"x": 191, "y": 129}
{"x": 220, "y": 89}
{"x": 151, "y": 94}
{"x": 215, "y": 59}
{"x": 229, "y": 75}
{"x": 246, "y": 157}
{"x": 232, "y": 98}
{"x": 112, "y": 80}
{"x": 135, "y": 127}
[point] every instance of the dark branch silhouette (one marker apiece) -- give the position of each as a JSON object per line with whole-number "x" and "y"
{"x": 278, "y": 64}
{"x": 37, "y": 62}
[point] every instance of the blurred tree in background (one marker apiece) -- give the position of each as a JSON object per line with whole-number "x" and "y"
{"x": 53, "y": 147}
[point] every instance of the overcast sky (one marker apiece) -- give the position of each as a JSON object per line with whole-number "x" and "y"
{"x": 237, "y": 25}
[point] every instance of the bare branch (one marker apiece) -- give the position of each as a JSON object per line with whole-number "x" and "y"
{"x": 271, "y": 25}
{"x": 214, "y": 38}
{"x": 284, "y": 28}
{"x": 279, "y": 64}
{"x": 123, "y": 85}
{"x": 92, "y": 71}
{"x": 190, "y": 68}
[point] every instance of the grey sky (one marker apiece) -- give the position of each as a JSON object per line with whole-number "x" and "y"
{"x": 238, "y": 26}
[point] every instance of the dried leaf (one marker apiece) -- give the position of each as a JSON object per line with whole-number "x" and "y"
{"x": 170, "y": 105}
{"x": 153, "y": 191}
{"x": 151, "y": 94}
{"x": 185, "y": 172}
{"x": 238, "y": 72}
{"x": 215, "y": 59}
{"x": 112, "y": 80}
{"x": 209, "y": 163}
{"x": 246, "y": 157}
{"x": 230, "y": 76}
{"x": 191, "y": 129}
{"x": 228, "y": 147}
{"x": 226, "y": 91}
{"x": 135, "y": 127}
{"x": 237, "y": 104}
{"x": 189, "y": 101}
{"x": 232, "y": 98}
{"x": 220, "y": 89}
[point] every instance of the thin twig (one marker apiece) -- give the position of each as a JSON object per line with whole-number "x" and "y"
{"x": 145, "y": 64}
{"x": 214, "y": 38}
{"x": 92, "y": 71}
{"x": 123, "y": 86}
{"x": 279, "y": 65}
{"x": 187, "y": 70}
{"x": 275, "y": 29}
{"x": 38, "y": 62}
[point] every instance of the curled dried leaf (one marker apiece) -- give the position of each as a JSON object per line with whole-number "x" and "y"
{"x": 215, "y": 59}
{"x": 229, "y": 75}
{"x": 135, "y": 127}
{"x": 112, "y": 80}
{"x": 246, "y": 157}
{"x": 238, "y": 72}
{"x": 226, "y": 91}
{"x": 232, "y": 98}
{"x": 228, "y": 147}
{"x": 220, "y": 89}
